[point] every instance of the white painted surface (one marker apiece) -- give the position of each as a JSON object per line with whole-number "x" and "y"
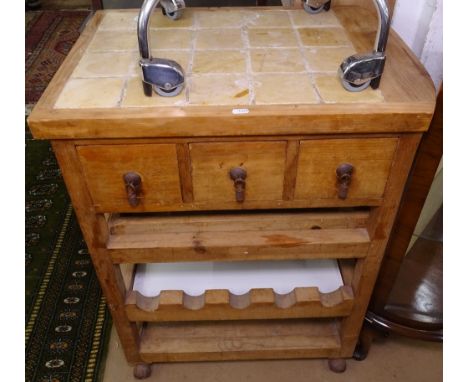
{"x": 238, "y": 277}
{"x": 419, "y": 23}
{"x": 432, "y": 54}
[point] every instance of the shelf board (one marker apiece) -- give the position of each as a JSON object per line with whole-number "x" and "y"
{"x": 230, "y": 237}
{"x": 216, "y": 341}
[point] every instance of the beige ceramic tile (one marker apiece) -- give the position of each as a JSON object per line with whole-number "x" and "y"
{"x": 212, "y": 61}
{"x": 182, "y": 57}
{"x": 332, "y": 91}
{"x": 120, "y": 40}
{"x": 284, "y": 89}
{"x": 277, "y": 60}
{"x": 301, "y": 18}
{"x": 91, "y": 93}
{"x": 323, "y": 36}
{"x": 218, "y": 39}
{"x": 158, "y": 20}
{"x": 171, "y": 38}
{"x": 105, "y": 64}
{"x": 134, "y": 96}
{"x": 119, "y": 20}
{"x": 272, "y": 38}
{"x": 221, "y": 18}
{"x": 327, "y": 59}
{"x": 219, "y": 89}
{"x": 270, "y": 19}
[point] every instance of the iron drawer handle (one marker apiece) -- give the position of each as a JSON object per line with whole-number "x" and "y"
{"x": 238, "y": 175}
{"x": 344, "y": 174}
{"x": 133, "y": 187}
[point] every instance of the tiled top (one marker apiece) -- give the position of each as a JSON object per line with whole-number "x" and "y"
{"x": 230, "y": 57}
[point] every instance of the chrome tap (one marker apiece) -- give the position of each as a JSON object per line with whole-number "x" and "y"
{"x": 316, "y": 6}
{"x": 172, "y": 8}
{"x": 165, "y": 76}
{"x": 357, "y": 72}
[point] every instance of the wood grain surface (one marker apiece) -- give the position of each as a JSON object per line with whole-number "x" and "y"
{"x": 318, "y": 160}
{"x": 104, "y": 168}
{"x": 213, "y": 341}
{"x": 221, "y": 305}
{"x": 264, "y": 163}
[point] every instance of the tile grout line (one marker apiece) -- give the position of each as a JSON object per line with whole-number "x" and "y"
{"x": 214, "y": 49}
{"x": 123, "y": 92}
{"x": 191, "y": 61}
{"x": 249, "y": 70}
{"x": 304, "y": 59}
{"x": 128, "y": 77}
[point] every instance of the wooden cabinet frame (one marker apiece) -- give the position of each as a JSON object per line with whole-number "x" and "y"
{"x": 331, "y": 321}
{"x": 95, "y": 230}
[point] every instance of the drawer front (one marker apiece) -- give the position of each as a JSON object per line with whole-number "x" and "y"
{"x": 319, "y": 160}
{"x": 104, "y": 167}
{"x": 263, "y": 163}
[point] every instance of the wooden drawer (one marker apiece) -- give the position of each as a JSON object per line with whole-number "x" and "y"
{"x": 264, "y": 163}
{"x": 104, "y": 167}
{"x": 318, "y": 160}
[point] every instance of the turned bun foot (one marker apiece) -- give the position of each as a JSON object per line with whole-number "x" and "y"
{"x": 337, "y": 365}
{"x": 142, "y": 371}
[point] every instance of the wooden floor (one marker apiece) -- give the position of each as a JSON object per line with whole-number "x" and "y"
{"x": 390, "y": 360}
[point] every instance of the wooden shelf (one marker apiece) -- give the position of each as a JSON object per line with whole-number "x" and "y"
{"x": 222, "y": 305}
{"x": 145, "y": 239}
{"x": 213, "y": 341}
{"x": 189, "y": 291}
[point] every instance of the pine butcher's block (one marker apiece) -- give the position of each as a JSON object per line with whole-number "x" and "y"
{"x": 263, "y": 158}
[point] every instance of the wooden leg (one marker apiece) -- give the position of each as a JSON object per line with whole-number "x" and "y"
{"x": 337, "y": 365}
{"x": 95, "y": 231}
{"x": 142, "y": 371}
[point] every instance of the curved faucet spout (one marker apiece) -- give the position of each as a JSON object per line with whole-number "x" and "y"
{"x": 169, "y": 6}
{"x": 165, "y": 77}
{"x": 383, "y": 13}
{"x": 142, "y": 28}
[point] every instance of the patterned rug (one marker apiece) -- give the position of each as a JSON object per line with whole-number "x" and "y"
{"x": 67, "y": 322}
{"x": 49, "y": 37}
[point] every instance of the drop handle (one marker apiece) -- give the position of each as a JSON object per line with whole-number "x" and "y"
{"x": 344, "y": 174}
{"x": 238, "y": 175}
{"x": 133, "y": 187}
